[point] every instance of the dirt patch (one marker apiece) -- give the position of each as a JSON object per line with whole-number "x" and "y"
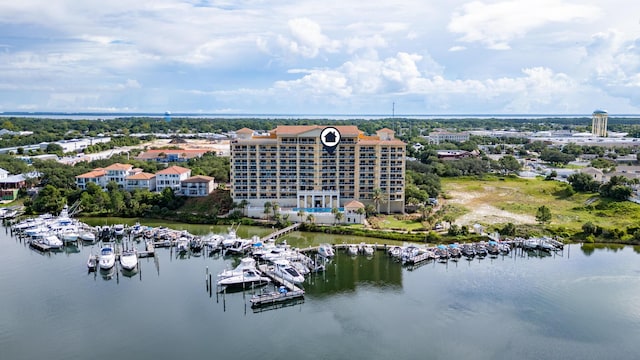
{"x": 481, "y": 211}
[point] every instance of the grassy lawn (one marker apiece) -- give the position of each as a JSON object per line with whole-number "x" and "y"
{"x": 525, "y": 196}
{"x": 391, "y": 222}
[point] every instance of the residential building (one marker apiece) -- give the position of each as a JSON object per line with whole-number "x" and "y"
{"x": 456, "y": 154}
{"x": 97, "y": 176}
{"x": 198, "y": 185}
{"x": 141, "y": 180}
{"x": 118, "y": 173}
{"x": 438, "y": 137}
{"x": 171, "y": 178}
{"x": 296, "y": 168}
{"x": 171, "y": 155}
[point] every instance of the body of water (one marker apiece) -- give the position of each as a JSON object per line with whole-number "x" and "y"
{"x": 582, "y": 303}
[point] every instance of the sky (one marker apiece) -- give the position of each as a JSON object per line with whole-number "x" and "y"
{"x": 396, "y": 57}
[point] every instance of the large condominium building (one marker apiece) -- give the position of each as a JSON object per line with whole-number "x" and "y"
{"x": 318, "y": 167}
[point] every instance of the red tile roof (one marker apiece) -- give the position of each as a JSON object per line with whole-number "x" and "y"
{"x": 173, "y": 170}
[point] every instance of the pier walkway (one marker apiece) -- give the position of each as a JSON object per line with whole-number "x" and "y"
{"x": 281, "y": 232}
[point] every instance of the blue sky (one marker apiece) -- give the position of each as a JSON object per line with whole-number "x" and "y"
{"x": 321, "y": 57}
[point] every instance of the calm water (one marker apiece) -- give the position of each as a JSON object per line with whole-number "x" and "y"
{"x": 576, "y": 305}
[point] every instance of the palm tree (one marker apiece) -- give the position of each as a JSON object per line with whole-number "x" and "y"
{"x": 377, "y": 198}
{"x": 338, "y": 217}
{"x": 311, "y": 218}
{"x": 243, "y": 204}
{"x": 335, "y": 211}
{"x": 360, "y": 212}
{"x": 267, "y": 208}
{"x": 301, "y": 214}
{"x": 276, "y": 209}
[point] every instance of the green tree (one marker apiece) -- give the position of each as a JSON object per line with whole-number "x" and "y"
{"x": 267, "y": 208}
{"x": 311, "y": 219}
{"x": 48, "y": 200}
{"x": 509, "y": 164}
{"x": 243, "y": 205}
{"x": 376, "y": 197}
{"x": 543, "y": 215}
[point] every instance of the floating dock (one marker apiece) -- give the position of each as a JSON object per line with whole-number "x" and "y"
{"x": 287, "y": 292}
{"x": 276, "y": 297}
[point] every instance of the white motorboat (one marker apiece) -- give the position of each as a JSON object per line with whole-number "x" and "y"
{"x": 287, "y": 272}
{"x": 245, "y": 273}
{"x": 129, "y": 259}
{"x": 92, "y": 263}
{"x": 87, "y": 235}
{"x": 368, "y": 250}
{"x": 107, "y": 257}
{"x": 182, "y": 245}
{"x": 326, "y": 250}
{"x": 352, "y": 250}
{"x": 52, "y": 241}
{"x": 118, "y": 229}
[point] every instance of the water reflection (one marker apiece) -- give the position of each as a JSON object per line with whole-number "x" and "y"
{"x": 345, "y": 273}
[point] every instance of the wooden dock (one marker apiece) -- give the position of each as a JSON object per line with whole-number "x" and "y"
{"x": 39, "y": 246}
{"x": 290, "y": 291}
{"x": 276, "y": 297}
{"x": 149, "y": 252}
{"x": 280, "y": 232}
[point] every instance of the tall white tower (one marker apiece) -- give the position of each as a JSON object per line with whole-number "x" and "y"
{"x": 599, "y": 123}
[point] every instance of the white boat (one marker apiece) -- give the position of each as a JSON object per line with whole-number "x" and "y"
{"x": 87, "y": 235}
{"x": 326, "y": 250}
{"x": 92, "y": 263}
{"x": 69, "y": 233}
{"x": 283, "y": 269}
{"x": 129, "y": 259}
{"x": 107, "y": 257}
{"x": 352, "y": 250}
{"x": 368, "y": 250}
{"x": 118, "y": 229}
{"x": 245, "y": 273}
{"x": 182, "y": 245}
{"x": 231, "y": 238}
{"x": 52, "y": 241}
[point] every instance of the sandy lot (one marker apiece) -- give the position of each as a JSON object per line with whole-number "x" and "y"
{"x": 480, "y": 211}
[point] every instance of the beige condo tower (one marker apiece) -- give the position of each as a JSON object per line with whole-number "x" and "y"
{"x": 293, "y": 167}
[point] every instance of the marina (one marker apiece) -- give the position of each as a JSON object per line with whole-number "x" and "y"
{"x": 551, "y": 304}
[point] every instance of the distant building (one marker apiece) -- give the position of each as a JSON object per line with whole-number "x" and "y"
{"x": 599, "y": 123}
{"x": 141, "y": 180}
{"x": 96, "y": 176}
{"x": 438, "y": 137}
{"x": 198, "y": 185}
{"x": 171, "y": 155}
{"x": 171, "y": 177}
{"x": 456, "y": 154}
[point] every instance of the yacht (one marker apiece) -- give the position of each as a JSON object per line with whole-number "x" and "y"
{"x": 118, "y": 229}
{"x": 129, "y": 259}
{"x": 368, "y": 250}
{"x": 287, "y": 272}
{"x": 326, "y": 250}
{"x": 52, "y": 241}
{"x": 107, "y": 257}
{"x": 87, "y": 235}
{"x": 245, "y": 273}
{"x": 182, "y": 245}
{"x": 352, "y": 250}
{"x": 92, "y": 263}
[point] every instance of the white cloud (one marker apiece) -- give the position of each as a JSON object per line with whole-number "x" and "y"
{"x": 307, "y": 39}
{"x": 496, "y": 24}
